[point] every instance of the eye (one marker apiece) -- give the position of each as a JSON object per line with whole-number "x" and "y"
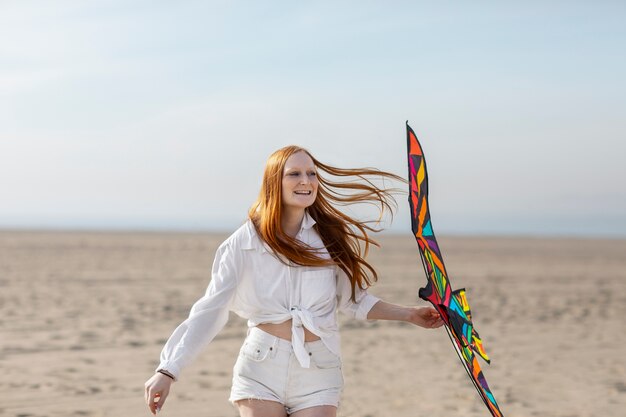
{"x": 313, "y": 174}
{"x": 294, "y": 174}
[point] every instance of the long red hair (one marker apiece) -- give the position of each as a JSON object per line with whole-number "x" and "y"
{"x": 345, "y": 237}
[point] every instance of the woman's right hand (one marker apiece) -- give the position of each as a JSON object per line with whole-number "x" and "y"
{"x": 157, "y": 387}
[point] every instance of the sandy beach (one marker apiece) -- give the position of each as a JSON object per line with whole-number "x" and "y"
{"x": 83, "y": 317}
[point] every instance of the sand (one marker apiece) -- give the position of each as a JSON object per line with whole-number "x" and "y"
{"x": 83, "y": 317}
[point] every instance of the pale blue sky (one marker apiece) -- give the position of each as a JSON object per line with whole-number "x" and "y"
{"x": 160, "y": 115}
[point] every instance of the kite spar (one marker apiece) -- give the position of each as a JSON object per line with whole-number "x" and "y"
{"x": 451, "y": 305}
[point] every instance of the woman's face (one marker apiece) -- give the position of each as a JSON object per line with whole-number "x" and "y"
{"x": 299, "y": 181}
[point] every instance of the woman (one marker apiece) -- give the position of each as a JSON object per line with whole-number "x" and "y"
{"x": 295, "y": 262}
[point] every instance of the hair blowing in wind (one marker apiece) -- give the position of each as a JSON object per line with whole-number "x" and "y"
{"x": 346, "y": 238}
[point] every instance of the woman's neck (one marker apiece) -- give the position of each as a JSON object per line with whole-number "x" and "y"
{"x": 292, "y": 221}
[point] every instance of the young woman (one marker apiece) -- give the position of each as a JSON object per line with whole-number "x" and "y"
{"x": 288, "y": 270}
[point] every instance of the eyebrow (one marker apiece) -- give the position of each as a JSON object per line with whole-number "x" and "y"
{"x": 298, "y": 169}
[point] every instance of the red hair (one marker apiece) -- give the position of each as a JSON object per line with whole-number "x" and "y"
{"x": 344, "y": 237}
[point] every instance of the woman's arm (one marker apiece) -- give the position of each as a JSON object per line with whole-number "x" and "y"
{"x": 426, "y": 317}
{"x": 207, "y": 317}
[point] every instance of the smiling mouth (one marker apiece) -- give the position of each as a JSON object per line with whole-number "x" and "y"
{"x": 302, "y": 192}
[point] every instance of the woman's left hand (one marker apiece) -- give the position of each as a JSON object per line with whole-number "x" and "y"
{"x": 426, "y": 317}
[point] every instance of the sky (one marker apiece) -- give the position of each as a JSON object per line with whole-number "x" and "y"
{"x": 159, "y": 115}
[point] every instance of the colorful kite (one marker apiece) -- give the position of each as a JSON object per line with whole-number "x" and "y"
{"x": 451, "y": 305}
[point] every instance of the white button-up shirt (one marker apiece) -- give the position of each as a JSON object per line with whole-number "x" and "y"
{"x": 248, "y": 279}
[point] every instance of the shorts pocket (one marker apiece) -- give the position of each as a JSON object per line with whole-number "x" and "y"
{"x": 256, "y": 351}
{"x": 325, "y": 359}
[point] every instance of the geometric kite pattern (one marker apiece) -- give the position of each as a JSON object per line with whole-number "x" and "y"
{"x": 451, "y": 305}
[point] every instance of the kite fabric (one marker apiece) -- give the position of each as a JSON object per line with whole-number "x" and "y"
{"x": 451, "y": 305}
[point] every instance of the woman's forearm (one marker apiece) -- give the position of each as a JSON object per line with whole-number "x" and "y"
{"x": 426, "y": 317}
{"x": 383, "y": 310}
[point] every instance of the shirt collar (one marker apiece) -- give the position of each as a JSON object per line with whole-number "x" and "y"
{"x": 251, "y": 239}
{"x": 307, "y": 221}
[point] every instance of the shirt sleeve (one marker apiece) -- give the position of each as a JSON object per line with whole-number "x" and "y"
{"x": 207, "y": 316}
{"x": 364, "y": 301}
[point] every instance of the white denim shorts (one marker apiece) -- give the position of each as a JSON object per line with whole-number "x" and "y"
{"x": 267, "y": 369}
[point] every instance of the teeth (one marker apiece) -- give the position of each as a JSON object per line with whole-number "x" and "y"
{"x": 303, "y": 192}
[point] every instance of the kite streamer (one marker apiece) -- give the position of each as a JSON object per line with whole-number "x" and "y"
{"x": 451, "y": 305}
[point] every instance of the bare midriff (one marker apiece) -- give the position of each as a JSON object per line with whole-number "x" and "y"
{"x": 283, "y": 330}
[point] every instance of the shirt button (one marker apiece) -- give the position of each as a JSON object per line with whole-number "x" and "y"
{"x": 310, "y": 354}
